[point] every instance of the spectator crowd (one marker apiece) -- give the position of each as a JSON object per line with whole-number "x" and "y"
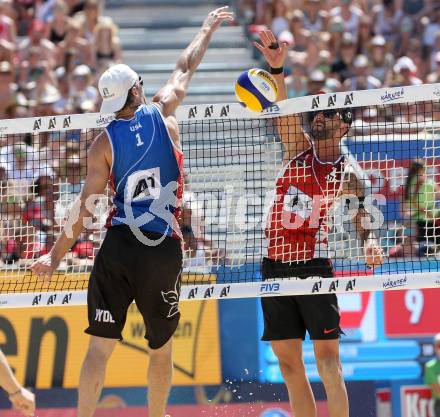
{"x": 352, "y": 44}
{"x": 52, "y": 53}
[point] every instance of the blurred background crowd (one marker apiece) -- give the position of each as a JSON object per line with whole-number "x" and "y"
{"x": 352, "y": 44}
{"x": 52, "y": 54}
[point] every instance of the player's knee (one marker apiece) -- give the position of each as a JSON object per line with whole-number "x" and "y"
{"x": 96, "y": 357}
{"x": 329, "y": 368}
{"x": 292, "y": 369}
{"x": 164, "y": 353}
{"x": 99, "y": 353}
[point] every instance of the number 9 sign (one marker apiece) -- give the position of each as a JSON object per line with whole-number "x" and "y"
{"x": 412, "y": 313}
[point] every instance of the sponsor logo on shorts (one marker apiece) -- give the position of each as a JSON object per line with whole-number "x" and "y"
{"x": 271, "y": 288}
{"x": 328, "y": 331}
{"x": 103, "y": 316}
{"x": 172, "y": 298}
{"x": 436, "y": 92}
{"x": 392, "y": 95}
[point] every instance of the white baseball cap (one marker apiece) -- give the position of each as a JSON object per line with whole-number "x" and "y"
{"x": 114, "y": 85}
{"x": 405, "y": 62}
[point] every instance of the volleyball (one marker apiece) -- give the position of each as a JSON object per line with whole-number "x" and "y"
{"x": 256, "y": 89}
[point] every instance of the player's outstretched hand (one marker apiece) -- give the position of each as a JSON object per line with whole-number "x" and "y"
{"x": 374, "y": 255}
{"x": 44, "y": 267}
{"x": 217, "y": 17}
{"x": 23, "y": 401}
{"x": 274, "y": 53}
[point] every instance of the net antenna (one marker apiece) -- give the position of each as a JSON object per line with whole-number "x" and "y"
{"x": 233, "y": 158}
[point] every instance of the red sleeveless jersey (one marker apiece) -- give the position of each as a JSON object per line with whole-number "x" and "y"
{"x": 298, "y": 223}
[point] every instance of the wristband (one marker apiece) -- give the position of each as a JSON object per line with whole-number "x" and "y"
{"x": 275, "y": 71}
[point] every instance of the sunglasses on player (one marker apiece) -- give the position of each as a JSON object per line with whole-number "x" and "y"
{"x": 346, "y": 115}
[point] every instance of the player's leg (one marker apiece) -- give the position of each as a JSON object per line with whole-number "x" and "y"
{"x": 289, "y": 354}
{"x": 156, "y": 286}
{"x": 284, "y": 328}
{"x": 330, "y": 371}
{"x": 92, "y": 374}
{"x": 108, "y": 298}
{"x": 322, "y": 319}
{"x": 160, "y": 372}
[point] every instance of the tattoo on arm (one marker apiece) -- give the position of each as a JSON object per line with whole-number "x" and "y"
{"x": 193, "y": 54}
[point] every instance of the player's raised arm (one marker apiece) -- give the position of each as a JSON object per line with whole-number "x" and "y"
{"x": 289, "y": 127}
{"x": 172, "y": 94}
{"x": 98, "y": 171}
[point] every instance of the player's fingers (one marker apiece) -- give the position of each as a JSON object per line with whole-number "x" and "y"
{"x": 47, "y": 277}
{"x": 221, "y": 9}
{"x": 226, "y": 17}
{"x": 226, "y": 14}
{"x": 258, "y": 46}
{"x": 271, "y": 37}
{"x": 264, "y": 38}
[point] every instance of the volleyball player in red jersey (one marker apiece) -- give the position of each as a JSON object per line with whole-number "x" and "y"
{"x": 315, "y": 174}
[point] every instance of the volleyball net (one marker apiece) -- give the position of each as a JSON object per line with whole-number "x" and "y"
{"x": 233, "y": 162}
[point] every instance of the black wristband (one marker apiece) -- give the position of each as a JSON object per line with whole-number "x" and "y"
{"x": 275, "y": 71}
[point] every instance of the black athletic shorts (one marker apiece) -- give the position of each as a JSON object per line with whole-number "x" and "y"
{"x": 125, "y": 269}
{"x": 288, "y": 317}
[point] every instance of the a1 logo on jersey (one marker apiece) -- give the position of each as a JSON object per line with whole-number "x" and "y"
{"x": 143, "y": 185}
{"x": 295, "y": 201}
{"x": 333, "y": 175}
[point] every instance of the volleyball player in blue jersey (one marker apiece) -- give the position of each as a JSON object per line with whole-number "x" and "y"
{"x": 141, "y": 257}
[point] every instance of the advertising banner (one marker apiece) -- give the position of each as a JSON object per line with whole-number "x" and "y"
{"x": 46, "y": 346}
{"x": 412, "y": 313}
{"x": 416, "y": 401}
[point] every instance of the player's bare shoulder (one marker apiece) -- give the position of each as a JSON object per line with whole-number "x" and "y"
{"x": 171, "y": 124}
{"x": 101, "y": 149}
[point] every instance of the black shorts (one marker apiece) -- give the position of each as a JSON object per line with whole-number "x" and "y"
{"x": 126, "y": 270}
{"x": 288, "y": 317}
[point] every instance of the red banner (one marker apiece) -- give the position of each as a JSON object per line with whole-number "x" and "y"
{"x": 412, "y": 313}
{"x": 416, "y": 401}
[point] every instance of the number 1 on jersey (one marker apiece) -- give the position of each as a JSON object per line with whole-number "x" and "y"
{"x": 139, "y": 140}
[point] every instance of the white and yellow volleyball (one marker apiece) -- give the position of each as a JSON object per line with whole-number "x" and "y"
{"x": 256, "y": 89}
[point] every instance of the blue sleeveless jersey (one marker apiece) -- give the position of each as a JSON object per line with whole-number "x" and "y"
{"x": 146, "y": 175}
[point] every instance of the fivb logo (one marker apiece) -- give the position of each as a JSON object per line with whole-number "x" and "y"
{"x": 103, "y": 316}
{"x": 270, "y": 288}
